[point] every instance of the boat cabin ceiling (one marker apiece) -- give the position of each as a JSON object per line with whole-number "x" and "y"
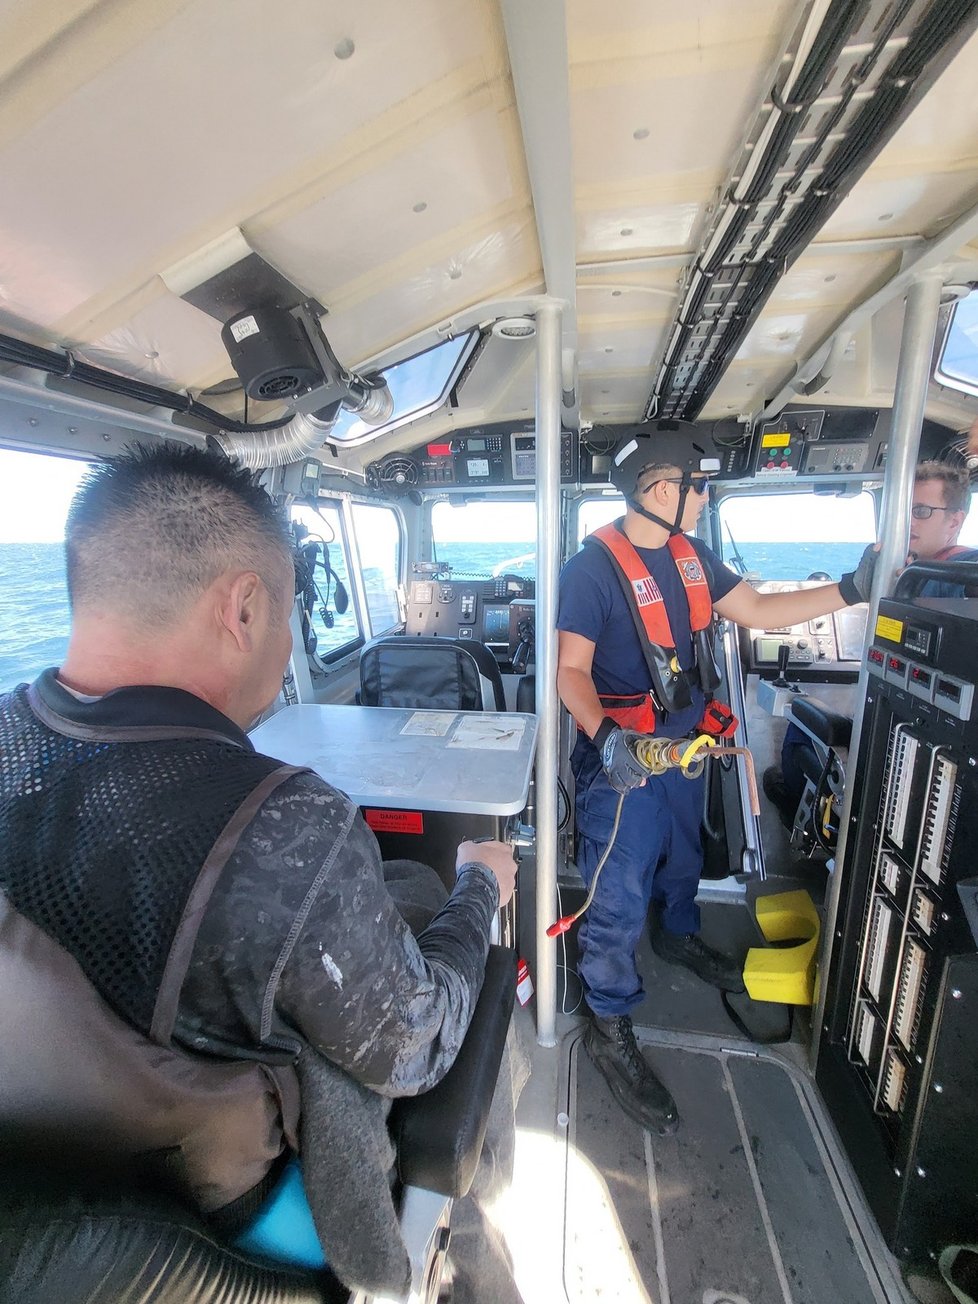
{"x": 728, "y": 196}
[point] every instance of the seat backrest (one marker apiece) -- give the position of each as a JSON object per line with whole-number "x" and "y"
{"x": 447, "y": 674}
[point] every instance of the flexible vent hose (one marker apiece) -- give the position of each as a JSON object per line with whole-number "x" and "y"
{"x": 302, "y": 436}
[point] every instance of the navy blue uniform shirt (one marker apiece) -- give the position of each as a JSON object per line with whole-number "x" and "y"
{"x": 593, "y": 605}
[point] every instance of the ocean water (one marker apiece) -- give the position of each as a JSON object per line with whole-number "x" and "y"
{"x": 34, "y": 602}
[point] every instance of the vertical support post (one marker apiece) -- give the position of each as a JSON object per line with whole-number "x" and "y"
{"x": 909, "y": 396}
{"x": 548, "y": 319}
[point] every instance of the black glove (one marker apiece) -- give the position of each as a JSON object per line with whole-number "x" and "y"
{"x": 856, "y": 586}
{"x": 617, "y": 758}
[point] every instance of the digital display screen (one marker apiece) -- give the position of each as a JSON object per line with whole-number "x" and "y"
{"x": 476, "y": 446}
{"x": 477, "y": 466}
{"x": 495, "y": 624}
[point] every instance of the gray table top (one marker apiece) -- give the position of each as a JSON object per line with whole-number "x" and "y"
{"x": 467, "y": 762}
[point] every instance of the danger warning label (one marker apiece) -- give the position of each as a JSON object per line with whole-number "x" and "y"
{"x": 394, "y": 821}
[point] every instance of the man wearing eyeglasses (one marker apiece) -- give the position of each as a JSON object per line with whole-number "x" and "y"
{"x": 636, "y": 658}
{"x": 941, "y": 498}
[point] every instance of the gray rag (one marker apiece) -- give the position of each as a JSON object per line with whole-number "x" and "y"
{"x": 346, "y": 1148}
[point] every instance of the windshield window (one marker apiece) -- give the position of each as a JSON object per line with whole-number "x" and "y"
{"x": 793, "y": 536}
{"x": 35, "y": 494}
{"x": 487, "y": 538}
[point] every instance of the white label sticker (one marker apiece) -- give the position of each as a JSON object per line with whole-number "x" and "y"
{"x": 244, "y": 327}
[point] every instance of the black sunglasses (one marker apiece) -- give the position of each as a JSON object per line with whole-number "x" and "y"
{"x": 699, "y": 486}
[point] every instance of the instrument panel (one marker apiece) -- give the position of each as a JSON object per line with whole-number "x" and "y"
{"x": 484, "y": 456}
{"x": 497, "y": 611}
{"x": 818, "y": 647}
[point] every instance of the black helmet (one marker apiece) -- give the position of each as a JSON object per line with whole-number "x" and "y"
{"x": 665, "y": 443}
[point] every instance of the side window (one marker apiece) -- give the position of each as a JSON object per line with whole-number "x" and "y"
{"x": 968, "y": 537}
{"x": 793, "y": 536}
{"x": 595, "y": 512}
{"x": 334, "y": 617}
{"x": 35, "y": 492}
{"x": 378, "y": 533}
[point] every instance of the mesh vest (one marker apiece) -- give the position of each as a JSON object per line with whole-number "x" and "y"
{"x": 111, "y": 841}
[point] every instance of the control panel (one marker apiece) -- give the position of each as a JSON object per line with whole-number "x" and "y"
{"x": 494, "y": 611}
{"x": 818, "y": 441}
{"x": 482, "y": 456}
{"x": 833, "y": 642}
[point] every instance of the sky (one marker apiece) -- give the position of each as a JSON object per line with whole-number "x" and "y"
{"x": 35, "y": 492}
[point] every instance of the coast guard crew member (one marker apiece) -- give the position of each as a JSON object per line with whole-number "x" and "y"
{"x": 635, "y": 658}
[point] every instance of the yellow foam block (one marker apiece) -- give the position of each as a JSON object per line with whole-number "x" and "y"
{"x": 784, "y": 973}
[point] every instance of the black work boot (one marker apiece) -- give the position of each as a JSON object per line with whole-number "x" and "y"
{"x": 776, "y": 791}
{"x": 614, "y": 1052}
{"x": 689, "y": 950}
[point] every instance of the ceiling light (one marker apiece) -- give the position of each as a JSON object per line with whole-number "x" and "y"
{"x": 515, "y": 328}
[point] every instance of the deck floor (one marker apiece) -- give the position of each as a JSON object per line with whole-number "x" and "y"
{"x": 740, "y": 1206}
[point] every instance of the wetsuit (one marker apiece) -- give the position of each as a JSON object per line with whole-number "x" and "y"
{"x": 657, "y": 854}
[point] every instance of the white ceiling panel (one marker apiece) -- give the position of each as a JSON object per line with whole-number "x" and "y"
{"x": 916, "y": 203}
{"x": 168, "y": 342}
{"x": 98, "y": 173}
{"x": 636, "y": 228}
{"x": 506, "y": 260}
{"x": 456, "y": 177}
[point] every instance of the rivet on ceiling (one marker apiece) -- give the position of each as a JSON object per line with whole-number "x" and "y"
{"x": 609, "y": 349}
{"x": 419, "y": 207}
{"x": 885, "y": 217}
{"x": 616, "y": 294}
{"x": 830, "y": 278}
{"x": 626, "y": 230}
{"x": 641, "y": 133}
{"x": 344, "y": 49}
{"x": 454, "y": 272}
{"x": 152, "y": 354}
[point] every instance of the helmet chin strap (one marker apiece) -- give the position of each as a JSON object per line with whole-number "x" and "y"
{"x": 675, "y": 527}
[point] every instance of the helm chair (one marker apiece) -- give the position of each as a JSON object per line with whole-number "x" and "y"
{"x": 662, "y": 443}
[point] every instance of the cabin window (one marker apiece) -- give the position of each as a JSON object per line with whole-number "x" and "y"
{"x": 378, "y": 531}
{"x": 595, "y": 512}
{"x": 337, "y": 632}
{"x": 486, "y": 538}
{"x": 957, "y": 366}
{"x": 792, "y": 536}
{"x": 968, "y": 538}
{"x": 35, "y": 493}
{"x": 417, "y": 385}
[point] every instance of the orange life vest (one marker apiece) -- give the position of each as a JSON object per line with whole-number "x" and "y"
{"x": 670, "y": 684}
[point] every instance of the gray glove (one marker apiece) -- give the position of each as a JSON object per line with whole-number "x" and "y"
{"x": 617, "y": 758}
{"x": 856, "y": 586}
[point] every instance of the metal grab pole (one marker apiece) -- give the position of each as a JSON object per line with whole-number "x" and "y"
{"x": 909, "y": 397}
{"x": 548, "y": 549}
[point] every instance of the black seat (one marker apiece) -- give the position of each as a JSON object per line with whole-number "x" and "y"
{"x": 526, "y": 694}
{"x": 447, "y": 674}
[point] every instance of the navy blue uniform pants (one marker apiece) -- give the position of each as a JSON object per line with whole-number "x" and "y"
{"x": 657, "y": 857}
